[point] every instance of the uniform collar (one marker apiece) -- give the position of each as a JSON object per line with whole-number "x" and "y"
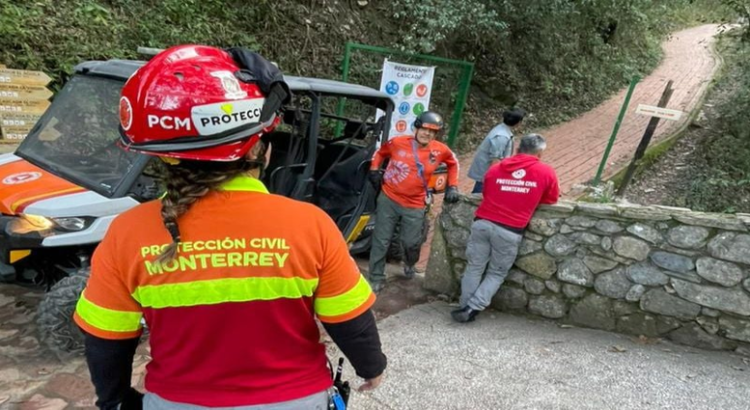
{"x": 244, "y": 182}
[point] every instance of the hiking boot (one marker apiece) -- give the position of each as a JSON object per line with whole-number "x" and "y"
{"x": 409, "y": 272}
{"x": 464, "y": 315}
{"x": 377, "y": 286}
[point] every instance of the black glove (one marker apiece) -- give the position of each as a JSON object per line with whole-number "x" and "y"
{"x": 451, "y": 195}
{"x": 376, "y": 179}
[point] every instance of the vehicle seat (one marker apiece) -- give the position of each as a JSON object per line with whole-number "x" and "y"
{"x": 283, "y": 170}
{"x": 339, "y": 193}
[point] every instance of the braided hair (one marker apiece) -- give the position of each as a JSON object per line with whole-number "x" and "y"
{"x": 189, "y": 181}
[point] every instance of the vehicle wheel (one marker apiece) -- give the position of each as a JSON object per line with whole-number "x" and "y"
{"x": 55, "y": 316}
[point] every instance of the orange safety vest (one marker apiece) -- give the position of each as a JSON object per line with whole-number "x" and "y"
{"x": 232, "y": 317}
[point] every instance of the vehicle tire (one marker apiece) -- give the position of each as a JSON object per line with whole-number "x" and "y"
{"x": 57, "y": 330}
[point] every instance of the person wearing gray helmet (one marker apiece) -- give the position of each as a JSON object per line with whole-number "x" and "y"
{"x": 406, "y": 198}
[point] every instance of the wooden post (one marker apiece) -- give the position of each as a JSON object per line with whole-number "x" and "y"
{"x": 645, "y": 140}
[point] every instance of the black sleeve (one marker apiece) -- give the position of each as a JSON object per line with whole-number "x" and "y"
{"x": 110, "y": 363}
{"x": 359, "y": 340}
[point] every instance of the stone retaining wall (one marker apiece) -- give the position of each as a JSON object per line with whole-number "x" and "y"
{"x": 653, "y": 271}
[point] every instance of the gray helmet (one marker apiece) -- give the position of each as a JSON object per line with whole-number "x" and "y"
{"x": 430, "y": 120}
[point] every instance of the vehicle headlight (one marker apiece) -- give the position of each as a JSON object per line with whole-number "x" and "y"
{"x": 36, "y": 223}
{"x": 71, "y": 223}
{"x": 42, "y": 223}
{"x": 26, "y": 223}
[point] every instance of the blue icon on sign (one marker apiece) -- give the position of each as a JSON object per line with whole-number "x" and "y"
{"x": 404, "y": 108}
{"x": 391, "y": 88}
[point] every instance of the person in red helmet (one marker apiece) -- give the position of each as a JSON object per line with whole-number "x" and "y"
{"x": 229, "y": 278}
{"x": 405, "y": 198}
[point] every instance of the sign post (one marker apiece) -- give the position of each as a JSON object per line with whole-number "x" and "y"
{"x": 623, "y": 110}
{"x": 659, "y": 111}
{"x": 656, "y": 113}
{"x": 23, "y": 77}
{"x": 410, "y": 87}
{"x": 459, "y": 94}
{"x": 23, "y": 106}
{"x": 23, "y": 99}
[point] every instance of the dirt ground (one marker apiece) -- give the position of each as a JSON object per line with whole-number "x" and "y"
{"x": 668, "y": 181}
{"x": 31, "y": 378}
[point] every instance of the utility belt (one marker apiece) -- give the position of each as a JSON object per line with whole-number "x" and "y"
{"x": 338, "y": 395}
{"x": 336, "y": 400}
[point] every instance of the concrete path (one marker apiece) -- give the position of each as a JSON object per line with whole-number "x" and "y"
{"x": 509, "y": 362}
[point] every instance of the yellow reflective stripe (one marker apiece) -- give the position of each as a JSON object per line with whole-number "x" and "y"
{"x": 346, "y": 302}
{"x": 213, "y": 292}
{"x": 244, "y": 183}
{"x": 240, "y": 183}
{"x": 107, "y": 319}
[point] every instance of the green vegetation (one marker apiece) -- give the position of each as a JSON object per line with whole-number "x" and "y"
{"x": 554, "y": 57}
{"x": 723, "y": 185}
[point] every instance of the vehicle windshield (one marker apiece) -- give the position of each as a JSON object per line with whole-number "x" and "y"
{"x": 76, "y": 138}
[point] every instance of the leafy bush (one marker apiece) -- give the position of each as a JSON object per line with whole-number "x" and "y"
{"x": 724, "y": 186}
{"x": 433, "y": 22}
{"x": 554, "y": 57}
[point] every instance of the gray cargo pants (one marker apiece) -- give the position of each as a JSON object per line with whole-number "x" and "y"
{"x": 317, "y": 401}
{"x": 387, "y": 217}
{"x": 493, "y": 248}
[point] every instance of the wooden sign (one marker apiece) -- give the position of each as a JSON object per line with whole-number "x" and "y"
{"x": 29, "y": 92}
{"x": 18, "y": 120}
{"x": 15, "y": 133}
{"x": 23, "y": 99}
{"x": 654, "y": 111}
{"x": 23, "y": 77}
{"x": 22, "y": 106}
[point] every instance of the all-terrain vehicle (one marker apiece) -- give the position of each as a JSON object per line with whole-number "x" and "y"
{"x": 67, "y": 181}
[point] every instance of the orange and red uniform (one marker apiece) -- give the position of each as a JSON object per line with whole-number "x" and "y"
{"x": 231, "y": 318}
{"x": 401, "y": 181}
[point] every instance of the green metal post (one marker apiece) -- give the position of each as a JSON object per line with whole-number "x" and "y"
{"x": 460, "y": 100}
{"x": 623, "y": 110}
{"x": 468, "y": 72}
{"x": 347, "y": 61}
{"x": 344, "y": 78}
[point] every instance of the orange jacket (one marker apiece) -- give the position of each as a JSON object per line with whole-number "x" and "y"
{"x": 401, "y": 181}
{"x": 232, "y": 317}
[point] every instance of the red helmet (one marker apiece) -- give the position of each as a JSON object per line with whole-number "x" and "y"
{"x": 196, "y": 102}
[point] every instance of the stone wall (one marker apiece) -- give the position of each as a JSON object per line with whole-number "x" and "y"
{"x": 653, "y": 271}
